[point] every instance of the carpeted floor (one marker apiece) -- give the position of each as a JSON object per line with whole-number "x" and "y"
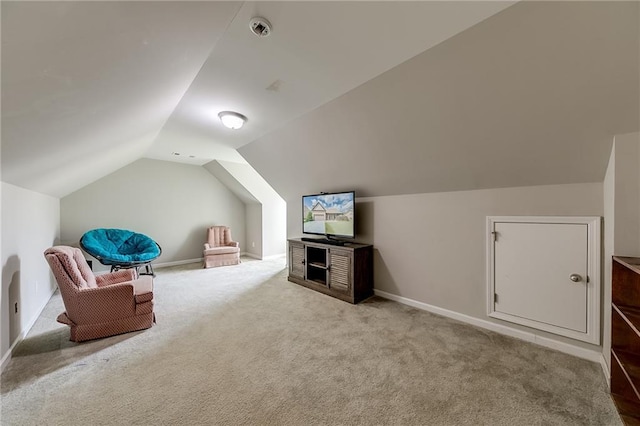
{"x": 241, "y": 345}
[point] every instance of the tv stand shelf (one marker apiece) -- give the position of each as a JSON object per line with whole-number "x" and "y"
{"x": 344, "y": 272}
{"x": 323, "y": 241}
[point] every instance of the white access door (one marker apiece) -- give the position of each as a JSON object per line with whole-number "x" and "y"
{"x": 543, "y": 274}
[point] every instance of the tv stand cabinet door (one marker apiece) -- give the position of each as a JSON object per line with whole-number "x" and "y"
{"x": 341, "y": 262}
{"x": 296, "y": 260}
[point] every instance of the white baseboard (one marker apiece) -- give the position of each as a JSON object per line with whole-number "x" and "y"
{"x": 274, "y": 256}
{"x": 7, "y": 356}
{"x": 605, "y": 370}
{"x": 251, "y": 255}
{"x": 567, "y": 348}
{"x": 200, "y": 259}
{"x": 177, "y": 262}
{"x": 255, "y": 256}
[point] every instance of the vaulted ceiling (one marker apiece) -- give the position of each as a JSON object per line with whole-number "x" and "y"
{"x": 530, "y": 96}
{"x": 88, "y": 87}
{"x": 440, "y": 95}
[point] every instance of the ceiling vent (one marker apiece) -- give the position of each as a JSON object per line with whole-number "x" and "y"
{"x": 260, "y": 27}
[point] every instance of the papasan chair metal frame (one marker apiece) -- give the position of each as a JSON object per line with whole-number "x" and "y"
{"x": 121, "y": 249}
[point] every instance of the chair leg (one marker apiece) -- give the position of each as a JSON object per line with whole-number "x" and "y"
{"x": 148, "y": 270}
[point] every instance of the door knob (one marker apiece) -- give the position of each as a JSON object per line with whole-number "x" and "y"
{"x": 575, "y": 278}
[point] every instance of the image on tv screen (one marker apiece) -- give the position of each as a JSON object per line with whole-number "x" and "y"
{"x": 328, "y": 214}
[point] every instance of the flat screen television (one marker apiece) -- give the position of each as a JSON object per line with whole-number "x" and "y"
{"x": 329, "y": 214}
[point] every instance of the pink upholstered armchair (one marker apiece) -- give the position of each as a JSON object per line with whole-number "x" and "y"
{"x": 103, "y": 305}
{"x": 220, "y": 250}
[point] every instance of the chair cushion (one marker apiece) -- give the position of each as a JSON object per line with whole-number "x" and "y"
{"x": 221, "y": 250}
{"x": 119, "y": 246}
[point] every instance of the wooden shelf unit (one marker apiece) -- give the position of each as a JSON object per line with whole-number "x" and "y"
{"x": 625, "y": 338}
{"x": 344, "y": 272}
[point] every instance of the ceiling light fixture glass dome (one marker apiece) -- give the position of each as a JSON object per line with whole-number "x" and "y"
{"x": 232, "y": 120}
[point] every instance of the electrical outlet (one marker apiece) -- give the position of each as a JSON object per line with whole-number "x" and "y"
{"x": 16, "y": 307}
{"x": 253, "y": 244}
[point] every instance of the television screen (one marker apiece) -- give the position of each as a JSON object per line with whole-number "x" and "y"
{"x": 329, "y": 214}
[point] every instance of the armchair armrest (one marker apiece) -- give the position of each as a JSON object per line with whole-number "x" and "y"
{"x": 143, "y": 289}
{"x": 103, "y": 304}
{"x": 113, "y": 301}
{"x": 123, "y": 275}
{"x": 233, "y": 244}
{"x": 207, "y": 246}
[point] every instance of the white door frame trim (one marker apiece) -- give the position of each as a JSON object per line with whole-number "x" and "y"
{"x": 594, "y": 225}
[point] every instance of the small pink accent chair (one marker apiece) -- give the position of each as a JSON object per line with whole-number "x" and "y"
{"x": 220, "y": 250}
{"x": 103, "y": 305}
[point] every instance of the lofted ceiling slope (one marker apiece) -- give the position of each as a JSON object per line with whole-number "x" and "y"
{"x": 316, "y": 52}
{"x": 530, "y": 96}
{"x": 88, "y": 87}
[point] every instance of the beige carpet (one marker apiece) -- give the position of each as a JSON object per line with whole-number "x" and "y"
{"x": 241, "y": 345}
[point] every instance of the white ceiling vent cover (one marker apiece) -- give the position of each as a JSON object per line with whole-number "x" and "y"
{"x": 260, "y": 27}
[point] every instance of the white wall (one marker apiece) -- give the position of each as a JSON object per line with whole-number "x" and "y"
{"x": 254, "y": 230}
{"x": 621, "y": 217}
{"x": 274, "y": 209}
{"x": 173, "y": 203}
{"x": 30, "y": 225}
{"x": 627, "y": 195}
{"x": 274, "y": 225}
{"x": 607, "y": 252}
{"x": 431, "y": 248}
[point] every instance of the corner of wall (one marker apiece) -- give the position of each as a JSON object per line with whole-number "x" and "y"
{"x": 30, "y": 225}
{"x": 621, "y": 195}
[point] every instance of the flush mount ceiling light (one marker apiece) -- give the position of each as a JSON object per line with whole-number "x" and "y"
{"x": 232, "y": 120}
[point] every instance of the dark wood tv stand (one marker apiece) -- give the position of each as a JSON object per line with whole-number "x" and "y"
{"x": 344, "y": 272}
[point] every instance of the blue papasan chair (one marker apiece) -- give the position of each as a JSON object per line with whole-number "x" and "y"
{"x": 121, "y": 249}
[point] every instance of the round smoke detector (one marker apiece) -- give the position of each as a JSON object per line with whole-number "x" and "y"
{"x": 260, "y": 27}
